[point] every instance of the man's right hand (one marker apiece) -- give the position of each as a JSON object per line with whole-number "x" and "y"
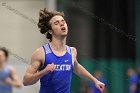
{"x": 49, "y": 68}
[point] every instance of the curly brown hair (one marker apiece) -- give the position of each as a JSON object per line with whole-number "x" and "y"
{"x": 44, "y": 18}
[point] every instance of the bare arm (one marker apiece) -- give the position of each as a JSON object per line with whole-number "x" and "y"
{"x": 134, "y": 87}
{"x": 32, "y": 74}
{"x": 15, "y": 79}
{"x": 82, "y": 72}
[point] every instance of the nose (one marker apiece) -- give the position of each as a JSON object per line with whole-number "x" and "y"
{"x": 62, "y": 24}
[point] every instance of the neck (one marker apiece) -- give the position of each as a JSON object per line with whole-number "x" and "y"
{"x": 2, "y": 65}
{"x": 58, "y": 43}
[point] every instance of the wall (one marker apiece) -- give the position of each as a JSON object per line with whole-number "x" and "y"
{"x": 19, "y": 33}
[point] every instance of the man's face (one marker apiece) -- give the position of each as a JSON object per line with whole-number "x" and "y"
{"x": 59, "y": 26}
{"x": 98, "y": 74}
{"x": 2, "y": 57}
{"x": 130, "y": 72}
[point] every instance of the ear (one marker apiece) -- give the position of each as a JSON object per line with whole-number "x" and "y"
{"x": 50, "y": 31}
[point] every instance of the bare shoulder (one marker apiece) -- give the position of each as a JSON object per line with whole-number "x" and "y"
{"x": 37, "y": 59}
{"x": 74, "y": 51}
{"x": 38, "y": 54}
{"x": 12, "y": 69}
{"x": 38, "y": 51}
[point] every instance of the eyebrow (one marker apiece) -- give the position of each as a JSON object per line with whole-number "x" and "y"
{"x": 58, "y": 20}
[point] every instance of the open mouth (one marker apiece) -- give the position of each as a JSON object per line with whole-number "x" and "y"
{"x": 63, "y": 28}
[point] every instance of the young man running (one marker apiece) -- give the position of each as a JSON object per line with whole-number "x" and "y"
{"x": 54, "y": 62}
{"x": 8, "y": 75}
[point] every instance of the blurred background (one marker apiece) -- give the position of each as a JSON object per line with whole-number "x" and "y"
{"x": 106, "y": 34}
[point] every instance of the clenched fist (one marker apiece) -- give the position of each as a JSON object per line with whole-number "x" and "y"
{"x": 49, "y": 68}
{"x": 100, "y": 86}
{"x": 8, "y": 81}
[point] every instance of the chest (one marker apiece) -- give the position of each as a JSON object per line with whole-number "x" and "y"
{"x": 63, "y": 63}
{"x": 4, "y": 74}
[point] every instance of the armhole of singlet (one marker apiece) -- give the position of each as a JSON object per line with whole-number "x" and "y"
{"x": 41, "y": 67}
{"x": 71, "y": 56}
{"x": 8, "y": 67}
{"x": 70, "y": 50}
